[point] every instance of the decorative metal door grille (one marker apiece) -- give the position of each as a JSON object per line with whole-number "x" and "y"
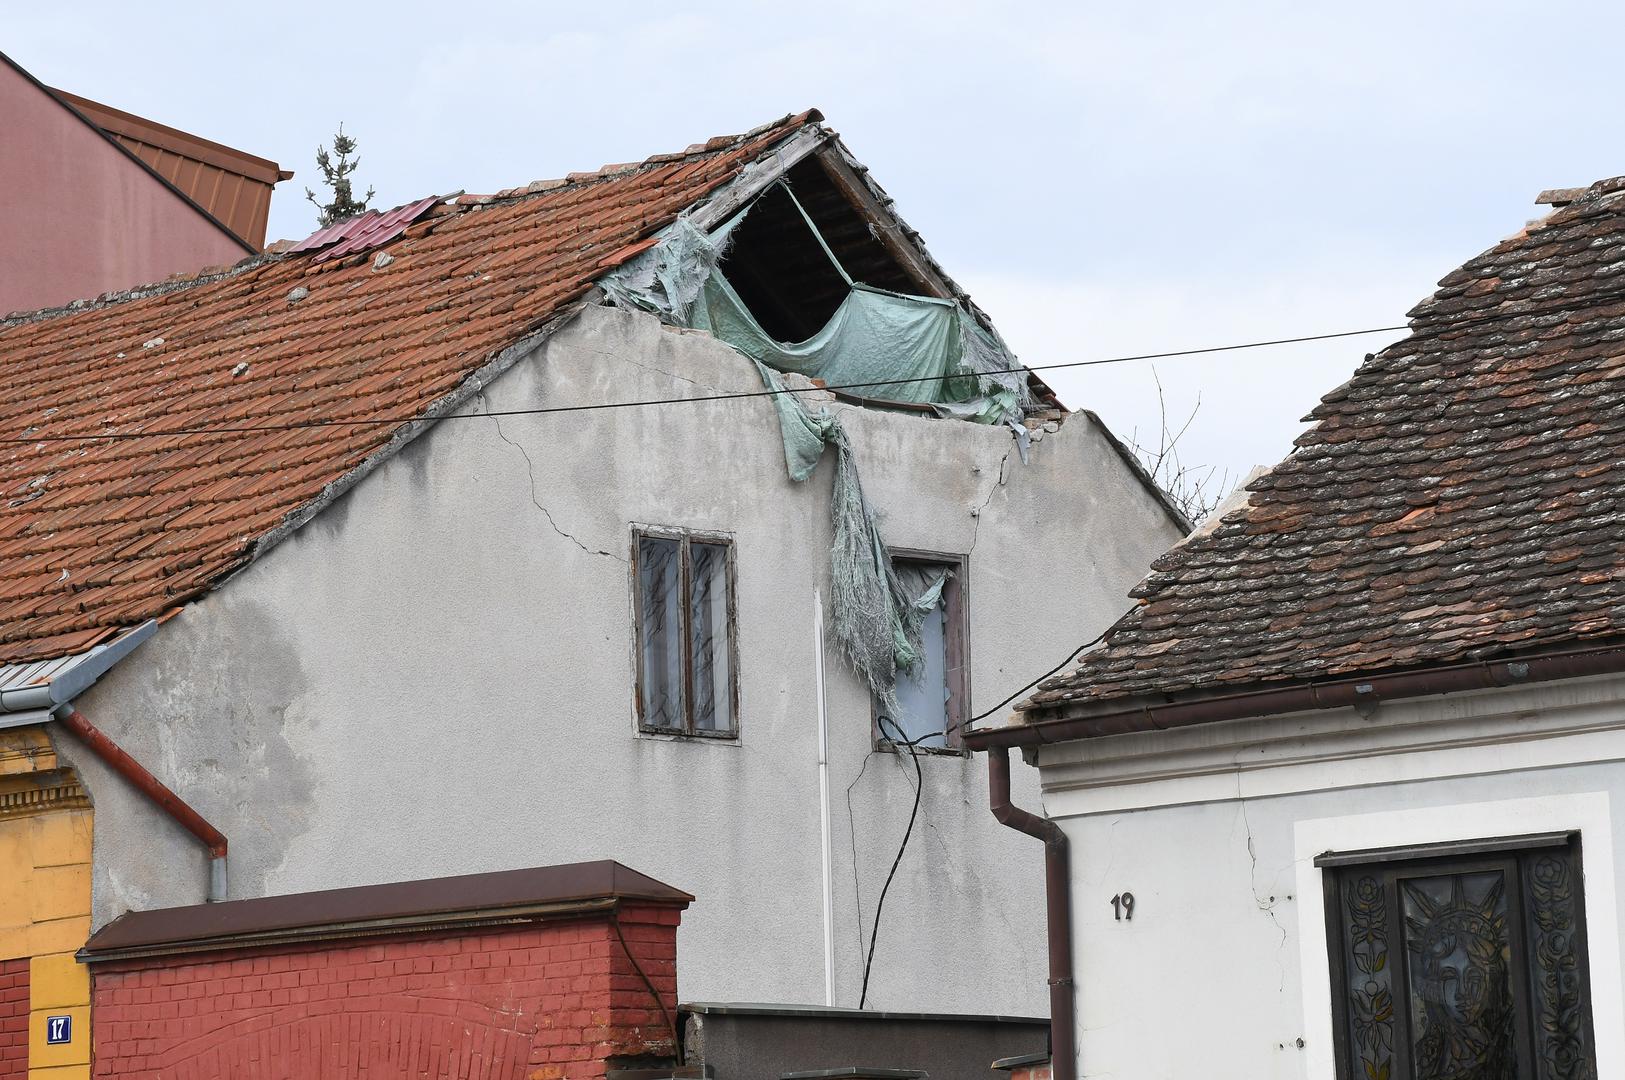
{"x": 1460, "y": 962}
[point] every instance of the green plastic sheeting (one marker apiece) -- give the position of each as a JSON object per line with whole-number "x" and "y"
{"x": 874, "y": 619}
{"x": 938, "y": 352}
{"x": 947, "y": 359}
{"x": 873, "y": 336}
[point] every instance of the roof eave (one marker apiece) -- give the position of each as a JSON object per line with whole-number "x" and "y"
{"x": 69, "y": 676}
{"x": 1071, "y": 721}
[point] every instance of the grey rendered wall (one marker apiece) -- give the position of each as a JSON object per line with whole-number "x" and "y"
{"x": 435, "y": 677}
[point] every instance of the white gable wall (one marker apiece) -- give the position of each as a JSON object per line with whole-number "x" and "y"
{"x": 435, "y": 676}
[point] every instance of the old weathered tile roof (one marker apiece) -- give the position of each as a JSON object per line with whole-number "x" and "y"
{"x": 98, "y": 535}
{"x": 1462, "y": 496}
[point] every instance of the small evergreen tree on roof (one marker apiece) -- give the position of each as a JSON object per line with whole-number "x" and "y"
{"x": 336, "y": 175}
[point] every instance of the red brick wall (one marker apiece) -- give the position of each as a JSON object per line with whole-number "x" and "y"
{"x": 541, "y": 1002}
{"x": 14, "y": 1019}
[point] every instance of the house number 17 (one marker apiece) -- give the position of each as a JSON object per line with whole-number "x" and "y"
{"x": 1123, "y": 906}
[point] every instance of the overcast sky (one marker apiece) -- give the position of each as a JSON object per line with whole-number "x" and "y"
{"x": 1103, "y": 178}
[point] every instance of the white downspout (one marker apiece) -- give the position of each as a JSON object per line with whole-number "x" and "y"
{"x": 823, "y": 799}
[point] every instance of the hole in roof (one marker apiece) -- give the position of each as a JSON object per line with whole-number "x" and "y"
{"x": 776, "y": 265}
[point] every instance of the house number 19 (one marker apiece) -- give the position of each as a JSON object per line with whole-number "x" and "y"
{"x": 1123, "y": 906}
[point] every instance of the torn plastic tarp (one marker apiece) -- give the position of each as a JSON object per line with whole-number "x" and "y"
{"x": 875, "y": 336}
{"x": 938, "y": 353}
{"x": 873, "y": 618}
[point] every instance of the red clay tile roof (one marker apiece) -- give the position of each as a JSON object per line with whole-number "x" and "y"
{"x": 97, "y": 535}
{"x": 1462, "y": 497}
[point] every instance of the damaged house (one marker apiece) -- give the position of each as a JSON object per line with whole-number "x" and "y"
{"x": 1352, "y": 767}
{"x": 682, "y": 513}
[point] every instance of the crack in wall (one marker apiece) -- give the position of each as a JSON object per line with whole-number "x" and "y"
{"x": 530, "y": 471}
{"x": 1266, "y": 905}
{"x": 998, "y": 482}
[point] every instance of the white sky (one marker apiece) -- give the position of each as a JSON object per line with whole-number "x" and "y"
{"x": 1103, "y": 178}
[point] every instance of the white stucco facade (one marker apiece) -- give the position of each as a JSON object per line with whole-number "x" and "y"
{"x": 1215, "y": 830}
{"x": 435, "y": 676}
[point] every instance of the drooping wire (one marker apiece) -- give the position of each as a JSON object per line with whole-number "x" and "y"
{"x": 1440, "y": 328}
{"x": 919, "y": 788}
{"x": 234, "y": 429}
{"x": 660, "y": 1002}
{"x": 1071, "y": 656}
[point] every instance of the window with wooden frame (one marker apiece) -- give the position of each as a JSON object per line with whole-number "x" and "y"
{"x": 687, "y": 673}
{"x": 933, "y": 698}
{"x": 1460, "y": 961}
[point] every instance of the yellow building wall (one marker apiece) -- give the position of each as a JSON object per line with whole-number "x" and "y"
{"x": 45, "y": 838}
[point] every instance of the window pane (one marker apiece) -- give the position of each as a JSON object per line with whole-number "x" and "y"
{"x": 1369, "y": 976}
{"x": 1442, "y": 975}
{"x": 708, "y": 637}
{"x": 922, "y": 696}
{"x": 1459, "y": 973}
{"x": 660, "y": 638}
{"x": 1555, "y": 945}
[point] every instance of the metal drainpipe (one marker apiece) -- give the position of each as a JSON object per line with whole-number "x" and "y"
{"x": 823, "y": 800}
{"x": 1063, "y": 1046}
{"x": 172, "y": 804}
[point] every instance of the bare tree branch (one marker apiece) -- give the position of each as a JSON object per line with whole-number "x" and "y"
{"x": 1196, "y": 490}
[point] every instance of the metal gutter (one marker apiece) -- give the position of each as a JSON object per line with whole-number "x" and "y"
{"x": 149, "y": 785}
{"x": 43, "y": 685}
{"x": 1360, "y": 692}
{"x": 1063, "y": 1042}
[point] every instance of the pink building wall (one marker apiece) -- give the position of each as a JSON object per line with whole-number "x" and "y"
{"x": 78, "y": 217}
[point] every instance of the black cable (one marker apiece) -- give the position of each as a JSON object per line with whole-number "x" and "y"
{"x": 660, "y": 1002}
{"x": 1073, "y": 655}
{"x": 919, "y": 788}
{"x": 595, "y": 406}
{"x": 1441, "y": 327}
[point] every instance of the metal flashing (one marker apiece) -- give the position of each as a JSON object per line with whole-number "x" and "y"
{"x": 40, "y": 686}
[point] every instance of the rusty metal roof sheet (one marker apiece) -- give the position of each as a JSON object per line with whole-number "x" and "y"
{"x": 370, "y": 229}
{"x": 106, "y": 533}
{"x": 1461, "y": 497}
{"x": 232, "y": 186}
{"x": 397, "y": 906}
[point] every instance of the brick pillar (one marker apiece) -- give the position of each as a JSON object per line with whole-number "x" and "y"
{"x": 14, "y": 1019}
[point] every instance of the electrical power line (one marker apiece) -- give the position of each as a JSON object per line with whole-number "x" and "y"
{"x": 1442, "y": 327}
{"x": 641, "y": 403}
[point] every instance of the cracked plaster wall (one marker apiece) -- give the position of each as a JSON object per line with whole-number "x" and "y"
{"x": 435, "y": 676}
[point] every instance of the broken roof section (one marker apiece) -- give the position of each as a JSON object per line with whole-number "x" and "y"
{"x": 282, "y": 381}
{"x": 1461, "y": 498}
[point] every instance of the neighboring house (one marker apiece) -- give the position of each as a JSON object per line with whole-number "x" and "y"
{"x": 415, "y": 622}
{"x": 1343, "y": 793}
{"x": 97, "y": 200}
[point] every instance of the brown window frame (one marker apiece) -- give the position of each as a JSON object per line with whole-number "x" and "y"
{"x": 684, "y": 537}
{"x": 1382, "y": 872}
{"x": 956, "y": 601}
